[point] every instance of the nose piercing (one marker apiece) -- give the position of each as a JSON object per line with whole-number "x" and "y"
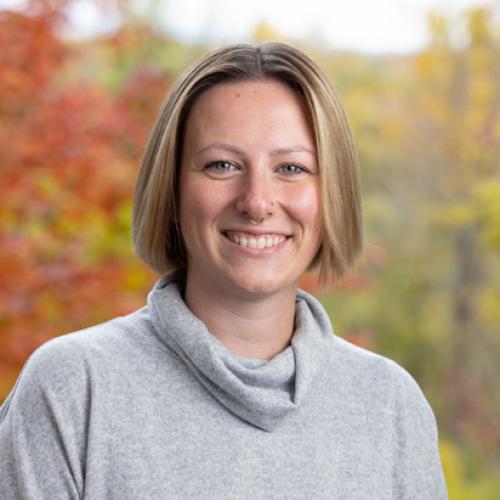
{"x": 260, "y": 220}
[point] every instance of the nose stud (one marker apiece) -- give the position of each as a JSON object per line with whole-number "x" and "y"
{"x": 260, "y": 220}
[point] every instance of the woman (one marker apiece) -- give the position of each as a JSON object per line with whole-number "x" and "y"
{"x": 229, "y": 383}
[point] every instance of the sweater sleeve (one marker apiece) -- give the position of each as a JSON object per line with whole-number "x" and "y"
{"x": 43, "y": 426}
{"x": 419, "y": 474}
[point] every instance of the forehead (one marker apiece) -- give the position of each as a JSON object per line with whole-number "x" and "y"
{"x": 248, "y": 109}
{"x": 248, "y": 89}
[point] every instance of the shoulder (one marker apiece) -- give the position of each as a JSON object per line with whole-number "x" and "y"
{"x": 359, "y": 363}
{"x": 64, "y": 367}
{"x": 48, "y": 411}
{"x": 364, "y": 376}
{"x": 382, "y": 379}
{"x": 70, "y": 352}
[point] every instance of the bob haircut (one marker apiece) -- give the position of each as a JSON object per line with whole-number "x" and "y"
{"x": 156, "y": 231}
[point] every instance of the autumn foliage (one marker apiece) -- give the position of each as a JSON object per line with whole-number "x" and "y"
{"x": 75, "y": 117}
{"x": 69, "y": 153}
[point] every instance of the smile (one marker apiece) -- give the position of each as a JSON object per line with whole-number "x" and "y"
{"x": 255, "y": 241}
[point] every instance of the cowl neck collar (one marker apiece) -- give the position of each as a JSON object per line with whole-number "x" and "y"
{"x": 260, "y": 392}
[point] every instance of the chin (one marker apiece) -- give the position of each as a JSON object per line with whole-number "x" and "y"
{"x": 255, "y": 285}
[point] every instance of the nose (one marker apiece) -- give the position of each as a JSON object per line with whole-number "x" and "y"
{"x": 255, "y": 201}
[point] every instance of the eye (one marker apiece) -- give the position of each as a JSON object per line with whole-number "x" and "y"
{"x": 220, "y": 167}
{"x": 290, "y": 169}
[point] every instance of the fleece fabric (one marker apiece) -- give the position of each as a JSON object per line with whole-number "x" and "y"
{"x": 152, "y": 406}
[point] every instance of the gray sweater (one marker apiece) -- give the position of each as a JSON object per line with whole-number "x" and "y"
{"x": 152, "y": 406}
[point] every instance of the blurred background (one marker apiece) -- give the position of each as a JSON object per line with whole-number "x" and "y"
{"x": 81, "y": 83}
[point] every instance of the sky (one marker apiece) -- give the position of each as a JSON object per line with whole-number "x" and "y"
{"x": 370, "y": 26}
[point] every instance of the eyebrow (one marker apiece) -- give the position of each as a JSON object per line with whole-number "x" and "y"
{"x": 297, "y": 148}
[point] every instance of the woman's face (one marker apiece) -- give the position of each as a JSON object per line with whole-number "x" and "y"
{"x": 250, "y": 208}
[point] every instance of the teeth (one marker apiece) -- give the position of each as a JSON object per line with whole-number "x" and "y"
{"x": 260, "y": 242}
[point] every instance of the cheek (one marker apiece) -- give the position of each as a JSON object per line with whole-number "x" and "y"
{"x": 200, "y": 204}
{"x": 305, "y": 205}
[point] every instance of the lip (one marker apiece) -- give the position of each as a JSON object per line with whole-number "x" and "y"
{"x": 254, "y": 232}
{"x": 256, "y": 252}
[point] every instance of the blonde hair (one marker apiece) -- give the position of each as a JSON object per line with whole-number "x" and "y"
{"x": 156, "y": 233}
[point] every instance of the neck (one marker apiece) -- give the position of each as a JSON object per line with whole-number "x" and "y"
{"x": 260, "y": 328}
